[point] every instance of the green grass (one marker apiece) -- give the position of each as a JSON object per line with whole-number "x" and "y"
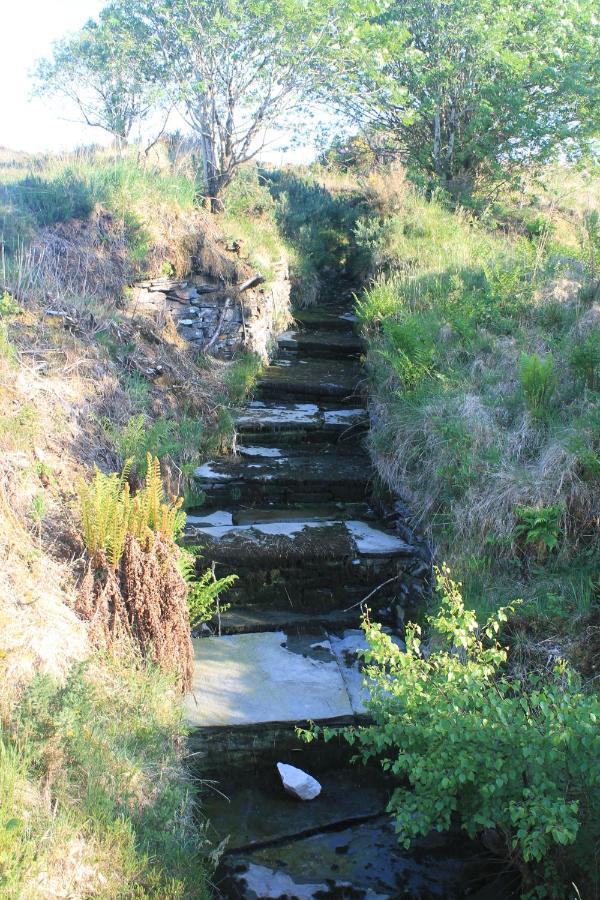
{"x": 92, "y": 789}
{"x": 45, "y": 191}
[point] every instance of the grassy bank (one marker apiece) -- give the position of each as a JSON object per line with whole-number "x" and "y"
{"x": 94, "y": 795}
{"x": 483, "y": 330}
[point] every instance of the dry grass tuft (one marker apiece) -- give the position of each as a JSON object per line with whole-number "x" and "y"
{"x": 143, "y": 603}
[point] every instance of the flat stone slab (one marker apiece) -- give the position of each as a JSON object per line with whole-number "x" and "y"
{"x": 320, "y": 317}
{"x": 264, "y": 416}
{"x": 331, "y": 379}
{"x": 255, "y": 809}
{"x": 325, "y": 344}
{"x": 281, "y": 543}
{"x": 363, "y": 861}
{"x": 248, "y": 679}
{"x": 310, "y": 477}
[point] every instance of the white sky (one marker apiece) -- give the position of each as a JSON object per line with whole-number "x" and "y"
{"x": 28, "y": 29}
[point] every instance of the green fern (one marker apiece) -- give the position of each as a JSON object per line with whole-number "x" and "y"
{"x": 538, "y": 382}
{"x": 203, "y": 590}
{"x": 109, "y": 512}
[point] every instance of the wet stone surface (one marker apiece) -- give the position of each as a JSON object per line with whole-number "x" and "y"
{"x": 276, "y": 676}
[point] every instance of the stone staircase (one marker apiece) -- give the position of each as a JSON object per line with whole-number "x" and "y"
{"x": 291, "y": 514}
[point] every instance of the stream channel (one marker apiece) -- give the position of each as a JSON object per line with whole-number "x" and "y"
{"x": 292, "y": 513}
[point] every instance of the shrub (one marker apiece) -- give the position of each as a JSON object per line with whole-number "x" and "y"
{"x": 469, "y": 743}
{"x": 537, "y": 383}
{"x": 584, "y": 359}
{"x": 48, "y": 200}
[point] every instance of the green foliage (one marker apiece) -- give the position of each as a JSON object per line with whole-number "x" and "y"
{"x": 318, "y": 223}
{"x": 139, "y": 437}
{"x": 109, "y": 512}
{"x": 248, "y": 195}
{"x": 409, "y": 350}
{"x": 469, "y": 743}
{"x": 590, "y": 243}
{"x": 538, "y": 383}
{"x": 8, "y": 305}
{"x": 104, "y": 73}
{"x": 242, "y": 376}
{"x": 584, "y": 358}
{"x": 469, "y": 88}
{"x": 539, "y": 527}
{"x": 204, "y": 591}
{"x": 46, "y": 201}
{"x": 8, "y": 351}
{"x": 78, "y": 767}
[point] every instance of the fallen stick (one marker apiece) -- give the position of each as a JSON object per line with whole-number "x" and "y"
{"x": 219, "y": 326}
{"x": 251, "y": 282}
{"x": 374, "y": 591}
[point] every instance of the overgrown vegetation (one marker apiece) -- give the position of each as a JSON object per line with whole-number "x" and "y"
{"x": 482, "y": 352}
{"x": 471, "y": 743}
{"x": 93, "y": 797}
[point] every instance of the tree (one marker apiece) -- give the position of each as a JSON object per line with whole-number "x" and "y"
{"x": 235, "y": 67}
{"x": 103, "y": 71}
{"x": 471, "y": 86}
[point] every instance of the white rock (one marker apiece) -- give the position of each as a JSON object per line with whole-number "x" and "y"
{"x": 298, "y": 783}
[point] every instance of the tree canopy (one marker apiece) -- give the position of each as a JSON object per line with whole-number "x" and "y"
{"x": 104, "y": 72}
{"x": 471, "y": 86}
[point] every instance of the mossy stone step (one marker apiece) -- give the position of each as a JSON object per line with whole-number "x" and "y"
{"x": 284, "y": 479}
{"x": 263, "y": 422}
{"x": 303, "y": 379}
{"x": 250, "y": 619}
{"x": 338, "y": 318}
{"x": 321, "y": 344}
{"x": 304, "y": 566}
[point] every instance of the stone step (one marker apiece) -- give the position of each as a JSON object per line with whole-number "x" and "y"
{"x": 278, "y": 676}
{"x": 284, "y": 479}
{"x": 321, "y": 344}
{"x": 237, "y": 810}
{"x": 247, "y": 619}
{"x": 304, "y": 566}
{"x": 363, "y": 860}
{"x": 337, "y": 318}
{"x": 261, "y": 422}
{"x": 303, "y": 379}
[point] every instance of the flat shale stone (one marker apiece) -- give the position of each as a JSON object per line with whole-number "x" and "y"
{"x": 252, "y": 678}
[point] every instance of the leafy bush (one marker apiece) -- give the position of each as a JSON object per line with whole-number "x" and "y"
{"x": 538, "y": 383}
{"x": 469, "y": 743}
{"x": 584, "y": 358}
